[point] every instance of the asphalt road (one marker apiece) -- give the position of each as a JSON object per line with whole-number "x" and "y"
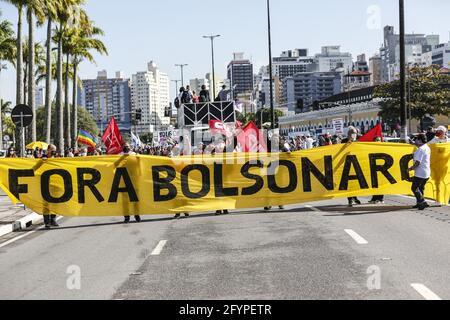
{"x": 313, "y": 251}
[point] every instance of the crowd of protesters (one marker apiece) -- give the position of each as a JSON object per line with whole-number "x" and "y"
{"x": 222, "y": 144}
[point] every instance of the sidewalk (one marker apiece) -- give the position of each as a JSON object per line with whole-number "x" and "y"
{"x": 13, "y": 218}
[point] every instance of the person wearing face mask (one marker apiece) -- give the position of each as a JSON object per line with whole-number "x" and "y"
{"x": 422, "y": 171}
{"x": 352, "y": 137}
{"x": 441, "y": 136}
{"x": 50, "y": 220}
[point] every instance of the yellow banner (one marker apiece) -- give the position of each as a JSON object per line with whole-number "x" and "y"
{"x": 129, "y": 185}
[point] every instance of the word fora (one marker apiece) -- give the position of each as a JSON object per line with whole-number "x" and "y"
{"x": 163, "y": 178}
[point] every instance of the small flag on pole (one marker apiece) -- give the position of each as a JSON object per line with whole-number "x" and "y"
{"x": 86, "y": 138}
{"x": 136, "y": 141}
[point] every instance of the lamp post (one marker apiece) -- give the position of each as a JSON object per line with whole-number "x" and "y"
{"x": 182, "y": 73}
{"x": 403, "y": 108}
{"x": 272, "y": 110}
{"x": 212, "y": 37}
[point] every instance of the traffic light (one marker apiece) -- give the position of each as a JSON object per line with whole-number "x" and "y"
{"x": 299, "y": 107}
{"x": 316, "y": 105}
{"x": 138, "y": 114}
{"x": 167, "y": 112}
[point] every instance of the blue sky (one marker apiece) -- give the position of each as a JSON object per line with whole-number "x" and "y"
{"x": 170, "y": 31}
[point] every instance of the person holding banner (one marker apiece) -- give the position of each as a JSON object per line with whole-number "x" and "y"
{"x": 352, "y": 137}
{"x": 422, "y": 171}
{"x": 128, "y": 151}
{"x": 50, "y": 220}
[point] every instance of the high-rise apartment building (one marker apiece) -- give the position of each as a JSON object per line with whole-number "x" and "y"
{"x": 150, "y": 94}
{"x": 311, "y": 87}
{"x": 332, "y": 58}
{"x": 240, "y": 75}
{"x": 104, "y": 98}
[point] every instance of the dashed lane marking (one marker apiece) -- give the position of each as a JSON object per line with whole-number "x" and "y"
{"x": 159, "y": 248}
{"x": 425, "y": 292}
{"x": 356, "y": 237}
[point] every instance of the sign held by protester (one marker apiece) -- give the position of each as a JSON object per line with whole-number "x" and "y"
{"x": 131, "y": 185}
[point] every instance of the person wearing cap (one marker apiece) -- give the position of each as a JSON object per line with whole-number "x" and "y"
{"x": 422, "y": 171}
{"x": 352, "y": 137}
{"x": 441, "y": 136}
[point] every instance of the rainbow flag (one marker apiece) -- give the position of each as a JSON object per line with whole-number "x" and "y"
{"x": 86, "y": 138}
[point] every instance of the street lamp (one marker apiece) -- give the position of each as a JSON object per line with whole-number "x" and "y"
{"x": 182, "y": 73}
{"x": 272, "y": 110}
{"x": 176, "y": 87}
{"x": 212, "y": 37}
{"x": 403, "y": 109}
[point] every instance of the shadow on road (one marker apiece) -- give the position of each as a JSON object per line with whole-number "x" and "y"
{"x": 196, "y": 216}
{"x": 356, "y": 211}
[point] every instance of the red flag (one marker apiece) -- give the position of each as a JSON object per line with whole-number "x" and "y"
{"x": 218, "y": 127}
{"x": 112, "y": 138}
{"x": 251, "y": 139}
{"x": 370, "y": 136}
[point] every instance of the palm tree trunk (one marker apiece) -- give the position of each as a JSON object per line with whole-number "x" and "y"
{"x": 1, "y": 123}
{"x": 59, "y": 95}
{"x": 25, "y": 81}
{"x": 19, "y": 65}
{"x": 31, "y": 80}
{"x": 66, "y": 105}
{"x": 48, "y": 83}
{"x": 74, "y": 103}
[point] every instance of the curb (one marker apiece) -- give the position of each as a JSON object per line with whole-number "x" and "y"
{"x": 21, "y": 224}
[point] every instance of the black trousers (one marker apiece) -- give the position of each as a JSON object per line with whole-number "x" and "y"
{"x": 378, "y": 198}
{"x": 418, "y": 188}
{"x": 49, "y": 218}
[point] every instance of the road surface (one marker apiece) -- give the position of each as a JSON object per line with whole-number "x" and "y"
{"x": 319, "y": 250}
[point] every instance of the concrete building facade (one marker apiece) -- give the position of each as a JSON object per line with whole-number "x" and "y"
{"x": 106, "y": 97}
{"x": 150, "y": 94}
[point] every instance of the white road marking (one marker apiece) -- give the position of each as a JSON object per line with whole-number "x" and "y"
{"x": 159, "y": 248}
{"x": 425, "y": 292}
{"x": 356, "y": 237}
{"x": 24, "y": 235}
{"x": 313, "y": 208}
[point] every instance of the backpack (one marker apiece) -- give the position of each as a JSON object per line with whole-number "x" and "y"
{"x": 186, "y": 97}
{"x": 177, "y": 103}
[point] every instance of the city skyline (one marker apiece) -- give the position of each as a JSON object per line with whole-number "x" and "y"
{"x": 173, "y": 38}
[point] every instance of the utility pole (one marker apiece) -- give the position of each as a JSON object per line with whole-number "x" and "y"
{"x": 403, "y": 109}
{"x": 182, "y": 72}
{"x": 212, "y": 37}
{"x": 272, "y": 110}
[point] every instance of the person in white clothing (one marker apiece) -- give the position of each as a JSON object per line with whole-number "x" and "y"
{"x": 422, "y": 171}
{"x": 441, "y": 136}
{"x": 309, "y": 143}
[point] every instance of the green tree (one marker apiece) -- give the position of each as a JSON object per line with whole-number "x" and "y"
{"x": 85, "y": 121}
{"x": 20, "y": 5}
{"x": 67, "y": 16}
{"x": 82, "y": 41}
{"x": 430, "y": 94}
{"x": 267, "y": 117}
{"x": 7, "y": 43}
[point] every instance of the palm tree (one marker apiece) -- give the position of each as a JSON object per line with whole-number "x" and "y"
{"x": 64, "y": 12}
{"x": 7, "y": 53}
{"x": 7, "y": 43}
{"x": 34, "y": 8}
{"x": 51, "y": 14}
{"x": 5, "y": 108}
{"x": 19, "y": 4}
{"x": 39, "y": 64}
{"x": 83, "y": 41}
